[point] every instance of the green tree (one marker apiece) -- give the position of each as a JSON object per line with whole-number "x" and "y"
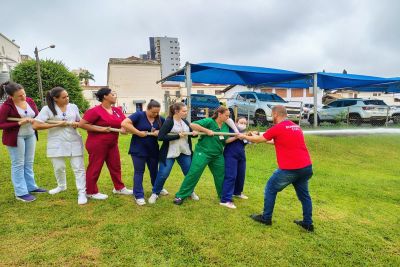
{"x": 85, "y": 76}
{"x": 54, "y": 73}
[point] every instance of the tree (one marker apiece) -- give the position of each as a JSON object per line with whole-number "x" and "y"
{"x": 85, "y": 76}
{"x": 54, "y": 73}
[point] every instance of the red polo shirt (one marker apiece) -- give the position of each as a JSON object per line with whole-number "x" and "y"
{"x": 291, "y": 150}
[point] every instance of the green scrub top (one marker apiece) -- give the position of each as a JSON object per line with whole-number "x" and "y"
{"x": 212, "y": 145}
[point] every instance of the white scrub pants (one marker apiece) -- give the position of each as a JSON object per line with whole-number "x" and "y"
{"x": 78, "y": 167}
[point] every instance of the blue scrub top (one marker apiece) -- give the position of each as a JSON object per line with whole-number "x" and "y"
{"x": 144, "y": 146}
{"x": 235, "y": 149}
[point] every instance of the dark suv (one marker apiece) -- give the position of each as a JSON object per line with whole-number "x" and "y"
{"x": 199, "y": 103}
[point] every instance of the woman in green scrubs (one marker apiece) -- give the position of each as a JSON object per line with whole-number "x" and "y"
{"x": 209, "y": 151}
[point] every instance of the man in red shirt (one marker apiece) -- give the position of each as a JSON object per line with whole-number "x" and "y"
{"x": 294, "y": 167}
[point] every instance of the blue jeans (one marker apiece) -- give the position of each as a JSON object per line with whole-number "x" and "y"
{"x": 165, "y": 169}
{"x": 22, "y": 157}
{"x": 235, "y": 172}
{"x": 282, "y": 178}
{"x": 139, "y": 164}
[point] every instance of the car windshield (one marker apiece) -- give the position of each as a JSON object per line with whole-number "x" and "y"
{"x": 270, "y": 98}
{"x": 375, "y": 102}
{"x": 204, "y": 98}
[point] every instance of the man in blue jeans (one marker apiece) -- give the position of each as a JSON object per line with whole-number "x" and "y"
{"x": 294, "y": 167}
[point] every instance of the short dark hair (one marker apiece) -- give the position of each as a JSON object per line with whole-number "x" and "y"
{"x": 9, "y": 88}
{"x": 102, "y": 92}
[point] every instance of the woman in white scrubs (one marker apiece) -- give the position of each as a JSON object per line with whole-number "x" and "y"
{"x": 63, "y": 140}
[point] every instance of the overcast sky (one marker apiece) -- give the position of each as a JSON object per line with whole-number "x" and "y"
{"x": 361, "y": 36}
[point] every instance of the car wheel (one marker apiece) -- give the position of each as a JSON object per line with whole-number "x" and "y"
{"x": 260, "y": 118}
{"x": 355, "y": 119}
{"x": 311, "y": 120}
{"x": 396, "y": 118}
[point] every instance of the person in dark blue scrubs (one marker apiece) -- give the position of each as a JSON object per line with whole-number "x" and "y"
{"x": 235, "y": 167}
{"x": 144, "y": 148}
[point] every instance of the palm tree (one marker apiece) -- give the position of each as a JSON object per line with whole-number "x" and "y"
{"x": 85, "y": 76}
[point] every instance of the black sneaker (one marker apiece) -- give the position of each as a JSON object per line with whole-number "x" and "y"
{"x": 259, "y": 218}
{"x": 178, "y": 201}
{"x": 308, "y": 227}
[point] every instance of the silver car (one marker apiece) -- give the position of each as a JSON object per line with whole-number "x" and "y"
{"x": 354, "y": 110}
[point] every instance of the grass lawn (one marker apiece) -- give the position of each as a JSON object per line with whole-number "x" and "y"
{"x": 355, "y": 191}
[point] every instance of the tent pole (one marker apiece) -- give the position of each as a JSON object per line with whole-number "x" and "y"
{"x": 188, "y": 80}
{"x": 315, "y": 93}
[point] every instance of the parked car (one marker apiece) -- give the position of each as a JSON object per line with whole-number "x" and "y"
{"x": 395, "y": 114}
{"x": 355, "y": 110}
{"x": 199, "y": 103}
{"x": 306, "y": 109}
{"x": 258, "y": 106}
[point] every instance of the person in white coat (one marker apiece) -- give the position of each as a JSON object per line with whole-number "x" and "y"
{"x": 63, "y": 140}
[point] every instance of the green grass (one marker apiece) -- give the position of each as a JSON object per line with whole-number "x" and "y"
{"x": 355, "y": 191}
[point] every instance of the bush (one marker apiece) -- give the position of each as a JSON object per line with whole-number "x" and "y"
{"x": 54, "y": 73}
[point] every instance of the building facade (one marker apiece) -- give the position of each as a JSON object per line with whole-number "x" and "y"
{"x": 167, "y": 51}
{"x": 9, "y": 58}
{"x": 134, "y": 81}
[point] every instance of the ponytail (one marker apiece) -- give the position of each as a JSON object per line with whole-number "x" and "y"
{"x": 55, "y": 92}
{"x": 174, "y": 108}
{"x": 9, "y": 88}
{"x": 219, "y": 110}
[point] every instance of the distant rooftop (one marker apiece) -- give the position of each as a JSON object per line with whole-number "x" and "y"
{"x": 132, "y": 60}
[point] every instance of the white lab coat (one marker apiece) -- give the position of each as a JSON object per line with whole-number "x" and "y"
{"x": 62, "y": 141}
{"x": 65, "y": 142}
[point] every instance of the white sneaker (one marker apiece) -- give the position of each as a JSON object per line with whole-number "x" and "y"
{"x": 123, "y": 191}
{"x": 228, "y": 205}
{"x": 241, "y": 196}
{"x": 153, "y": 198}
{"x": 57, "y": 190}
{"x": 194, "y": 196}
{"x": 98, "y": 196}
{"x": 82, "y": 199}
{"x": 164, "y": 192}
{"x": 140, "y": 201}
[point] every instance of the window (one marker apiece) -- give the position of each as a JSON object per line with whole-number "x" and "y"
{"x": 172, "y": 52}
{"x": 94, "y": 94}
{"x": 349, "y": 103}
{"x": 200, "y": 91}
{"x": 297, "y": 92}
{"x": 167, "y": 93}
{"x": 335, "y": 104}
{"x": 240, "y": 97}
{"x": 281, "y": 92}
{"x": 250, "y": 96}
{"x": 374, "y": 102}
{"x": 218, "y": 92}
{"x": 178, "y": 93}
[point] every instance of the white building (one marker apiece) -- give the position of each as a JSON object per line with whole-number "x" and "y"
{"x": 165, "y": 50}
{"x": 134, "y": 81}
{"x": 9, "y": 57}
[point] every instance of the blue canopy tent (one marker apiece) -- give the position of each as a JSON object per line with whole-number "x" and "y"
{"x": 216, "y": 73}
